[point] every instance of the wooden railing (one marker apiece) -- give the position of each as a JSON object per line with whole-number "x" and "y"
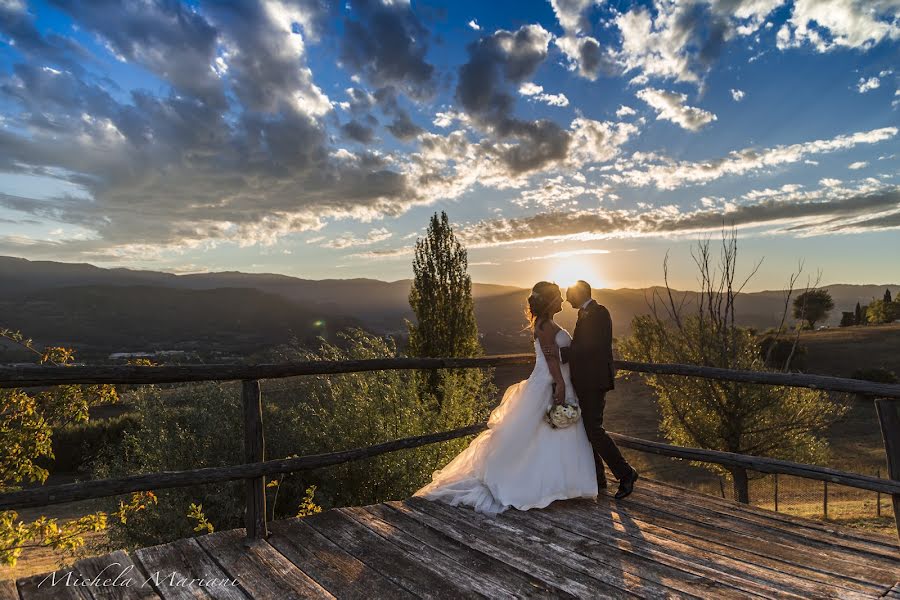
{"x": 256, "y": 467}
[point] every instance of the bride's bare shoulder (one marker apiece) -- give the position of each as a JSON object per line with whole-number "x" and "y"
{"x": 546, "y": 330}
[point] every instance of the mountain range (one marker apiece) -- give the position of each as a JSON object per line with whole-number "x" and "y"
{"x": 119, "y": 309}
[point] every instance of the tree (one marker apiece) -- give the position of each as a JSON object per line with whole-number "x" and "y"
{"x": 28, "y": 421}
{"x": 441, "y": 299}
{"x": 858, "y": 315}
{"x": 848, "y": 318}
{"x": 813, "y": 306}
{"x": 887, "y": 296}
{"x": 880, "y": 311}
{"x": 441, "y": 296}
{"x": 774, "y": 421}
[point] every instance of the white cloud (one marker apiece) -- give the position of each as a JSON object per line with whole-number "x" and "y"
{"x": 830, "y": 182}
{"x": 864, "y": 85}
{"x": 858, "y": 165}
{"x": 474, "y": 25}
{"x": 349, "y": 241}
{"x": 664, "y": 173}
{"x": 737, "y": 95}
{"x": 671, "y": 107}
{"x": 625, "y": 111}
{"x": 537, "y": 92}
{"x": 828, "y": 24}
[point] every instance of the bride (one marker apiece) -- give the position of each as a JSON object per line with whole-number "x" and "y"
{"x": 520, "y": 461}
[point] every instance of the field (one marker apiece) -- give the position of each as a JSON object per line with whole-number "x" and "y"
{"x": 631, "y": 409}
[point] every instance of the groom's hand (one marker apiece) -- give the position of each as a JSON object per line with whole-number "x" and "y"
{"x": 565, "y": 354}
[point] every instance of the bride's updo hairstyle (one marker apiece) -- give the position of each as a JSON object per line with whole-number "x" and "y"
{"x": 539, "y": 302}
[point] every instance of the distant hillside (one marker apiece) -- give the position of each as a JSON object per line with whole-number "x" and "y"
{"x": 98, "y": 319}
{"x": 280, "y": 300}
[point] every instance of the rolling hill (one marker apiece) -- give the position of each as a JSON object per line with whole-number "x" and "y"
{"x": 132, "y": 308}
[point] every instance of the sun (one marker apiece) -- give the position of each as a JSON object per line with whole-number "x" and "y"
{"x": 566, "y": 271}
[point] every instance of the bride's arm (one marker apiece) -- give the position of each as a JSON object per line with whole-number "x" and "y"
{"x": 547, "y": 338}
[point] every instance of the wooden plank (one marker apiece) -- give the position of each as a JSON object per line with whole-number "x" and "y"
{"x": 792, "y": 529}
{"x": 53, "y": 586}
{"x": 481, "y": 564}
{"x": 797, "y": 561}
{"x": 115, "y": 577}
{"x": 8, "y": 590}
{"x": 407, "y": 571}
{"x": 169, "y": 565}
{"x": 620, "y": 529}
{"x": 543, "y": 558}
{"x": 627, "y": 557}
{"x": 893, "y": 593}
{"x": 735, "y": 521}
{"x": 484, "y": 582}
{"x": 657, "y": 574}
{"x": 437, "y": 561}
{"x": 340, "y": 573}
{"x": 254, "y": 452}
{"x": 889, "y": 416}
{"x": 261, "y": 571}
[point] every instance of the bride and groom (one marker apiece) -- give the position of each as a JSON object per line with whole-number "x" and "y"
{"x": 520, "y": 461}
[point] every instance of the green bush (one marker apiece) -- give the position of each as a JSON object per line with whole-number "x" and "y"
{"x": 199, "y": 425}
{"x": 77, "y": 444}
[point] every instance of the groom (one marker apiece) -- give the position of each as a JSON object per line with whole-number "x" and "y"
{"x": 590, "y": 361}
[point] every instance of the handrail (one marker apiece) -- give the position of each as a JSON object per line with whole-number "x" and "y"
{"x": 30, "y": 376}
{"x": 257, "y": 467}
{"x": 70, "y": 492}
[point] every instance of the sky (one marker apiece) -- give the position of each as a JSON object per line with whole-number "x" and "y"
{"x": 565, "y": 139}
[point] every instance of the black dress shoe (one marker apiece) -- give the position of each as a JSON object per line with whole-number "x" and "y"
{"x": 626, "y": 486}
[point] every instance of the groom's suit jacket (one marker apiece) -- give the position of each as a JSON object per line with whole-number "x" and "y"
{"x": 591, "y": 358}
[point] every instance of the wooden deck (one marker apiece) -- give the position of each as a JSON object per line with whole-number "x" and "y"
{"x": 663, "y": 541}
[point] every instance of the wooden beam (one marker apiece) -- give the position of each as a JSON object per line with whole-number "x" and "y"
{"x": 254, "y": 452}
{"x": 17, "y": 377}
{"x": 101, "y": 488}
{"x": 889, "y": 416}
{"x": 58, "y": 494}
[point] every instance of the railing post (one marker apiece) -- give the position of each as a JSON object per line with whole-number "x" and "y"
{"x": 878, "y": 496}
{"x": 776, "y": 492}
{"x": 254, "y": 452}
{"x": 888, "y": 410}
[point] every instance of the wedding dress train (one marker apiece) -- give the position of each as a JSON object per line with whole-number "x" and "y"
{"x": 520, "y": 461}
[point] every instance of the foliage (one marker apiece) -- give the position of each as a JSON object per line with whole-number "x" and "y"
{"x": 307, "y": 505}
{"x": 441, "y": 296}
{"x": 199, "y": 425}
{"x": 777, "y": 352}
{"x": 195, "y": 511}
{"x": 28, "y": 420}
{"x": 813, "y": 306}
{"x": 775, "y": 421}
{"x": 187, "y": 427}
{"x": 76, "y": 445}
{"x": 879, "y": 312}
{"x": 441, "y": 299}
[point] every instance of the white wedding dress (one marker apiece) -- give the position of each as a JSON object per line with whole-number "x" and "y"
{"x": 520, "y": 461}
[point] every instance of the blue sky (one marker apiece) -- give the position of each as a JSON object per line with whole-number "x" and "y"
{"x": 564, "y": 139}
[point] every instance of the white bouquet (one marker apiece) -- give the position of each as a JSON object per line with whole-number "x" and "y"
{"x": 563, "y": 415}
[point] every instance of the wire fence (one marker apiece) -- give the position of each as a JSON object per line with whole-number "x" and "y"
{"x": 784, "y": 493}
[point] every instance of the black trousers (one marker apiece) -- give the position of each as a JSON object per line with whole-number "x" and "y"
{"x": 605, "y": 450}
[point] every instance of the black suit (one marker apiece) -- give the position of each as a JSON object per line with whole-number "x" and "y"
{"x": 593, "y": 374}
